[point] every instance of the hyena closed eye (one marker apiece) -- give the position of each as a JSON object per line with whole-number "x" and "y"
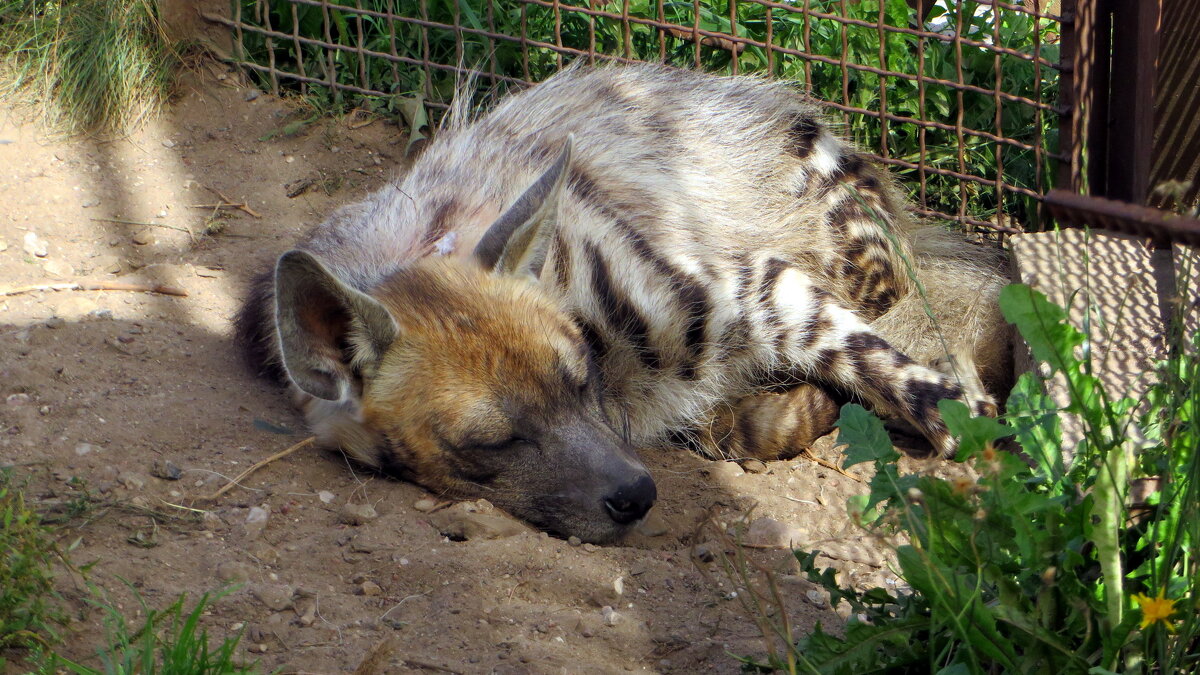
{"x": 614, "y": 257}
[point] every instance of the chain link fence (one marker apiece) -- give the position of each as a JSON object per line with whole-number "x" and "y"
{"x": 959, "y": 98}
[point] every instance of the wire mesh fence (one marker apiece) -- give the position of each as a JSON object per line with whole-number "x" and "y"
{"x": 959, "y": 98}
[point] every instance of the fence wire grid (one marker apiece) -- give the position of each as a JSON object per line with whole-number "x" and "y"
{"x": 961, "y": 99}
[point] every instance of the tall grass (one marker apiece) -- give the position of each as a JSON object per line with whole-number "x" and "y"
{"x": 86, "y": 66}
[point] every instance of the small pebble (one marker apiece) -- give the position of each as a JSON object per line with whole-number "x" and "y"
{"x": 276, "y": 597}
{"x": 82, "y": 449}
{"x": 815, "y": 597}
{"x": 58, "y": 268}
{"x": 144, "y": 237}
{"x": 168, "y": 143}
{"x": 357, "y": 514}
{"x": 131, "y": 481}
{"x": 89, "y": 203}
{"x": 55, "y": 322}
{"x": 251, "y": 94}
{"x": 369, "y": 588}
{"x": 610, "y": 615}
{"x": 705, "y": 552}
{"x": 326, "y": 496}
{"x": 573, "y": 540}
{"x": 256, "y": 521}
{"x": 35, "y": 246}
{"x": 425, "y": 505}
{"x": 166, "y": 470}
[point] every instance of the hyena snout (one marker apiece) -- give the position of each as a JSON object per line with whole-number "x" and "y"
{"x": 631, "y": 502}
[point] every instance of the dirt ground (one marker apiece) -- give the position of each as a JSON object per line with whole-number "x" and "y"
{"x": 101, "y": 389}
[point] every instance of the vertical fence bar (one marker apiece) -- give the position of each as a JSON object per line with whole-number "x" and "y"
{"x": 997, "y": 18}
{"x": 1039, "y": 180}
{"x": 363, "y": 80}
{"x": 733, "y": 30}
{"x": 960, "y": 142}
{"x": 423, "y": 10}
{"x": 558, "y": 33}
{"x": 662, "y": 34}
{"x": 626, "y": 31}
{"x": 1071, "y": 105}
{"x": 299, "y": 48}
{"x": 883, "y": 65}
{"x": 770, "y": 42}
{"x": 392, "y": 49}
{"x": 264, "y": 10}
{"x": 525, "y": 42}
{"x": 696, "y": 30}
{"x": 921, "y": 129}
{"x": 845, "y": 70}
{"x": 591, "y": 19}
{"x": 808, "y": 86}
{"x": 330, "y": 65}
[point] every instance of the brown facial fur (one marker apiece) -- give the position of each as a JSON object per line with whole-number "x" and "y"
{"x": 472, "y": 403}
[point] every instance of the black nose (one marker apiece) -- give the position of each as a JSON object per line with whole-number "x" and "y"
{"x": 632, "y": 501}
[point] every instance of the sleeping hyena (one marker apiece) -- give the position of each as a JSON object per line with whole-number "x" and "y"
{"x": 614, "y": 257}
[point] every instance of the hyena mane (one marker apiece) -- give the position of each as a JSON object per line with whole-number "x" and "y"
{"x": 703, "y": 253}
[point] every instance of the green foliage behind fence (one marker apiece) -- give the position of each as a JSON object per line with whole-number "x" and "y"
{"x": 360, "y": 37}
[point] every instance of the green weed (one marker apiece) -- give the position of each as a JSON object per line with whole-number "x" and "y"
{"x": 86, "y": 66}
{"x": 1042, "y": 565}
{"x": 29, "y": 608}
{"x": 168, "y": 642}
{"x": 856, "y": 44}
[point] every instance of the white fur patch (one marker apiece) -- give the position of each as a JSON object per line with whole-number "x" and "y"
{"x": 445, "y": 245}
{"x": 827, "y": 154}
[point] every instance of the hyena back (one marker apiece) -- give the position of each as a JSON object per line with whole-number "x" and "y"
{"x": 615, "y": 256}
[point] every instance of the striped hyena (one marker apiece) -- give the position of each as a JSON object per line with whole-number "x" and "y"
{"x": 616, "y": 257}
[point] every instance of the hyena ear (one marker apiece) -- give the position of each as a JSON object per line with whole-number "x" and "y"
{"x": 328, "y": 331}
{"x": 520, "y": 238}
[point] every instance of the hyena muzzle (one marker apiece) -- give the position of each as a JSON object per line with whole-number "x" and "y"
{"x": 615, "y": 257}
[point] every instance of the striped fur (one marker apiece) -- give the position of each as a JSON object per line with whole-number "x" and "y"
{"x": 722, "y": 254}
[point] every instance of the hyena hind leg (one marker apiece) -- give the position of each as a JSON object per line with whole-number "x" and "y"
{"x": 769, "y": 425}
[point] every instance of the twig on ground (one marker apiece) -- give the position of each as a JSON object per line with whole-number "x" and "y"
{"x": 218, "y": 206}
{"x": 279, "y": 455}
{"x": 145, "y": 224}
{"x": 97, "y": 286}
{"x": 807, "y": 454}
{"x": 227, "y": 200}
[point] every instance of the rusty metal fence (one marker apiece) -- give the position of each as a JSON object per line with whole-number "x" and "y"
{"x": 960, "y": 98}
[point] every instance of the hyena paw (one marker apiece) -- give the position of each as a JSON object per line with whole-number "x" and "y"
{"x": 960, "y": 368}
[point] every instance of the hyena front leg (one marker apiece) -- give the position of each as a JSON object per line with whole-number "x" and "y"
{"x": 827, "y": 344}
{"x": 768, "y": 426}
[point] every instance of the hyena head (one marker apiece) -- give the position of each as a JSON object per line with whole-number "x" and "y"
{"x": 467, "y": 377}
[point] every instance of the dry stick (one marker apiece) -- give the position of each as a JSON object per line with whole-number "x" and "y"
{"x": 97, "y": 286}
{"x": 279, "y": 455}
{"x": 138, "y": 222}
{"x": 222, "y": 205}
{"x": 227, "y": 200}
{"x": 807, "y": 454}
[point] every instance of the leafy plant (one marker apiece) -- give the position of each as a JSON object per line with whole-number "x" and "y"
{"x": 1040, "y": 565}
